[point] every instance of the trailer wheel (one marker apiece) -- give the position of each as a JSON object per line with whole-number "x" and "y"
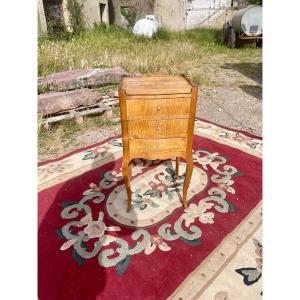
{"x": 231, "y": 38}
{"x": 225, "y": 33}
{"x": 259, "y": 43}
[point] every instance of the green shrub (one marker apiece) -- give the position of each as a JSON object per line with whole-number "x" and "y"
{"x": 76, "y": 15}
{"x": 57, "y": 30}
{"x": 129, "y": 14}
{"x": 162, "y": 34}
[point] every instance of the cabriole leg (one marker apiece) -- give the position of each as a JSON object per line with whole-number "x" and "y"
{"x": 188, "y": 175}
{"x": 126, "y": 170}
{"x": 177, "y": 166}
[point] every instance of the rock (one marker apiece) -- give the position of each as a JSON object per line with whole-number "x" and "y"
{"x": 75, "y": 79}
{"x": 219, "y": 109}
{"x": 55, "y": 102}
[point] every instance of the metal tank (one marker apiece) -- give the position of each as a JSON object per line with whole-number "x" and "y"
{"x": 248, "y": 20}
{"x": 244, "y": 27}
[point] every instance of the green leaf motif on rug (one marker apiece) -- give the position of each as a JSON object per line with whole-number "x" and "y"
{"x": 78, "y": 258}
{"x": 238, "y": 174}
{"x": 59, "y": 233}
{"x": 115, "y": 143}
{"x": 231, "y": 206}
{"x": 250, "y": 275}
{"x": 122, "y": 265}
{"x": 195, "y": 242}
{"x": 67, "y": 203}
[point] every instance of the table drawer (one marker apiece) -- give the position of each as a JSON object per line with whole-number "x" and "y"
{"x": 158, "y": 128}
{"x": 155, "y": 109}
{"x": 157, "y": 145}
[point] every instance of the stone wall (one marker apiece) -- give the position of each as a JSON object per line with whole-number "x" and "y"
{"x": 95, "y": 11}
{"x": 171, "y": 13}
{"x": 42, "y": 25}
{"x": 141, "y": 7}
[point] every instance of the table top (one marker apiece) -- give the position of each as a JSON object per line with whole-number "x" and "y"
{"x": 156, "y": 85}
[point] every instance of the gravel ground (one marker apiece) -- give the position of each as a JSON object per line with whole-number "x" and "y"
{"x": 96, "y": 136}
{"x": 233, "y": 107}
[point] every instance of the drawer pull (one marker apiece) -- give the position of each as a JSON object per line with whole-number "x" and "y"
{"x": 157, "y": 128}
{"x": 157, "y": 147}
{"x": 158, "y": 108}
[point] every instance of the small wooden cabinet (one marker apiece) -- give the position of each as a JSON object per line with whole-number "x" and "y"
{"x": 157, "y": 118}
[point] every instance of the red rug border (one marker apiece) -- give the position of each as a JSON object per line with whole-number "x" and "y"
{"x": 118, "y": 136}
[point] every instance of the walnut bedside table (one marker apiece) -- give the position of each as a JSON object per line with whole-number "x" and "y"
{"x": 157, "y": 119}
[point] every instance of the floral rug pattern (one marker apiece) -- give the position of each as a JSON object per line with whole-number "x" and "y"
{"x": 91, "y": 248}
{"x": 188, "y": 227}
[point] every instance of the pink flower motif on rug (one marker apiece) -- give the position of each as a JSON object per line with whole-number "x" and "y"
{"x": 93, "y": 189}
{"x": 156, "y": 241}
{"x": 96, "y": 152}
{"x": 58, "y": 167}
{"x": 198, "y": 211}
{"x": 226, "y": 186}
{"x": 222, "y": 295}
{"x": 93, "y": 229}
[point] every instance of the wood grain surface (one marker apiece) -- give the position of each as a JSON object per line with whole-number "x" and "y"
{"x": 157, "y": 118}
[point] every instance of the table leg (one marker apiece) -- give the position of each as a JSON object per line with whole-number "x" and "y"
{"x": 188, "y": 175}
{"x": 177, "y": 166}
{"x": 126, "y": 170}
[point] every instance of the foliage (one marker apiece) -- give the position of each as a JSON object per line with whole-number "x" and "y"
{"x": 162, "y": 34}
{"x": 57, "y": 30}
{"x": 129, "y": 14}
{"x": 255, "y": 2}
{"x": 76, "y": 15}
{"x": 55, "y": 25}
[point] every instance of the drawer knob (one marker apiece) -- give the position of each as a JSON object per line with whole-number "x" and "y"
{"x": 158, "y": 108}
{"x": 157, "y": 147}
{"x": 157, "y": 128}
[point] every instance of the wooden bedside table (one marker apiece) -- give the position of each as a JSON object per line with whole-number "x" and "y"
{"x": 157, "y": 119}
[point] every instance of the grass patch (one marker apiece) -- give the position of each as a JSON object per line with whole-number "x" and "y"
{"x": 106, "y": 89}
{"x": 62, "y": 134}
{"x": 189, "y": 52}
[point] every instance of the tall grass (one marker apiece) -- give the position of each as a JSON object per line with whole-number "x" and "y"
{"x": 188, "y": 52}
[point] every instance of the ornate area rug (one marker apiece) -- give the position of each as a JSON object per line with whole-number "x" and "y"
{"x": 91, "y": 248}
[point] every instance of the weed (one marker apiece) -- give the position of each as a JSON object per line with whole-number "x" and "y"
{"x": 106, "y": 89}
{"x": 162, "y": 34}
